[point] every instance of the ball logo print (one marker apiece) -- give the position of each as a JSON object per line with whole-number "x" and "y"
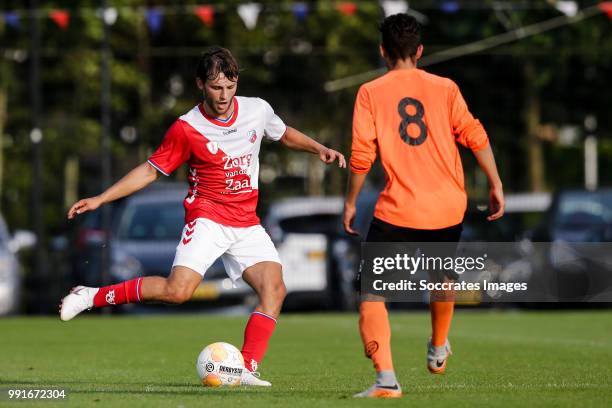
{"x": 210, "y": 367}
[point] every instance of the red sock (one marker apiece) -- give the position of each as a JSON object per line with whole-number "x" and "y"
{"x": 124, "y": 292}
{"x": 257, "y": 333}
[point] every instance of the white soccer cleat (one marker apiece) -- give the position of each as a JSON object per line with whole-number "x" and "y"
{"x": 251, "y": 378}
{"x": 437, "y": 357}
{"x": 381, "y": 391}
{"x": 79, "y": 299}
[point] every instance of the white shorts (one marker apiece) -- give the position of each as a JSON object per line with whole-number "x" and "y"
{"x": 203, "y": 241}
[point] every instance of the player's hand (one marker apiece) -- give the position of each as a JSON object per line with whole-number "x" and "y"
{"x": 329, "y": 156}
{"x": 348, "y": 218}
{"x": 496, "y": 204}
{"x": 82, "y": 206}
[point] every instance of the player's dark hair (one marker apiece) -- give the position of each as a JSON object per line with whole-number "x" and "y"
{"x": 401, "y": 36}
{"x": 216, "y": 60}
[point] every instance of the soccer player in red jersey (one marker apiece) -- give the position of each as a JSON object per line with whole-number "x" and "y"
{"x": 219, "y": 140}
{"x": 415, "y": 119}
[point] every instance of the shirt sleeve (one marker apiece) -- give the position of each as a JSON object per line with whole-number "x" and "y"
{"x": 363, "y": 150}
{"x": 274, "y": 127}
{"x": 468, "y": 130}
{"x": 173, "y": 151}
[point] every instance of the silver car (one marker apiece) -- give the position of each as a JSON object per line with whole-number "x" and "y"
{"x": 10, "y": 269}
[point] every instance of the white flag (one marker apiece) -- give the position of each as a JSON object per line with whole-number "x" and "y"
{"x": 248, "y": 13}
{"x": 110, "y": 15}
{"x": 394, "y": 7}
{"x": 569, "y": 8}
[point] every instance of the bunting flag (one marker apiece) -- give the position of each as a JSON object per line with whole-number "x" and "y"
{"x": 450, "y": 7}
{"x": 569, "y": 8}
{"x": 347, "y": 8}
{"x": 391, "y": 7}
{"x": 248, "y": 13}
{"x": 154, "y": 19}
{"x": 12, "y": 19}
{"x": 61, "y": 18}
{"x": 109, "y": 15}
{"x": 300, "y": 11}
{"x": 606, "y": 7}
{"x": 206, "y": 14}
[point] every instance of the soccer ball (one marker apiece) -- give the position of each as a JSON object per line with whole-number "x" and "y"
{"x": 220, "y": 364}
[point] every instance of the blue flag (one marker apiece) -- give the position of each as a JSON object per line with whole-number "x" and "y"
{"x": 154, "y": 19}
{"x": 450, "y": 7}
{"x": 300, "y": 11}
{"x": 12, "y": 19}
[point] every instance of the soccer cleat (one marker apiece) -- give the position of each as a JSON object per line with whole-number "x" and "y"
{"x": 381, "y": 391}
{"x": 79, "y": 299}
{"x": 437, "y": 357}
{"x": 251, "y": 378}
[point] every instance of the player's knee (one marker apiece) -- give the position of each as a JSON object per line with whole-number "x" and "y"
{"x": 278, "y": 291}
{"x": 274, "y": 291}
{"x": 178, "y": 294}
{"x": 281, "y": 291}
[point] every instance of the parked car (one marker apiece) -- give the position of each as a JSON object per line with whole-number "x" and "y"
{"x": 305, "y": 232}
{"x": 10, "y": 268}
{"x": 577, "y": 264}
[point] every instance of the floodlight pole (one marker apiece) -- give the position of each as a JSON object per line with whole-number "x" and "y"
{"x": 590, "y": 154}
{"x": 36, "y": 136}
{"x": 105, "y": 116}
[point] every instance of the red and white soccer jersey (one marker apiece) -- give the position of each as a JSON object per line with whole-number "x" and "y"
{"x": 223, "y": 159}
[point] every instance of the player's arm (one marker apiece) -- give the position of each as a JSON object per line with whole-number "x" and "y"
{"x": 486, "y": 161}
{"x": 296, "y": 140}
{"x": 355, "y": 184}
{"x": 363, "y": 154}
{"x": 137, "y": 179}
{"x": 470, "y": 133}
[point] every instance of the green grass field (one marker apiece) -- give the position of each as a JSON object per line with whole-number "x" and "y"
{"x": 560, "y": 359}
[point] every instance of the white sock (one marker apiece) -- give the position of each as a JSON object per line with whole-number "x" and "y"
{"x": 386, "y": 378}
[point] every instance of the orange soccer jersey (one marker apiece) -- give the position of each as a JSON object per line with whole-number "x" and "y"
{"x": 415, "y": 119}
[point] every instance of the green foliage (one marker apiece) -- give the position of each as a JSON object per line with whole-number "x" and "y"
{"x": 286, "y": 62}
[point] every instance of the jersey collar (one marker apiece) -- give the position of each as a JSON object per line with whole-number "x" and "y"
{"x": 218, "y": 122}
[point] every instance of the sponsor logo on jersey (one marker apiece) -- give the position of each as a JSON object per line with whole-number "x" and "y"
{"x": 242, "y": 161}
{"x": 252, "y": 135}
{"x": 229, "y": 132}
{"x": 110, "y": 297}
{"x": 213, "y": 147}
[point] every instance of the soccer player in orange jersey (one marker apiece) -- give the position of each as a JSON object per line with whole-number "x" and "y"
{"x": 415, "y": 120}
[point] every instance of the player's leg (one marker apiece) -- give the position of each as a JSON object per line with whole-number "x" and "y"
{"x": 203, "y": 241}
{"x": 442, "y": 303}
{"x": 253, "y": 258}
{"x": 267, "y": 281}
{"x": 375, "y": 329}
{"x": 175, "y": 289}
{"x": 441, "y": 306}
{"x": 375, "y": 334}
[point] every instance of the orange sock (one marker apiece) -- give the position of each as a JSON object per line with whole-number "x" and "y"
{"x": 441, "y": 316}
{"x": 376, "y": 334}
